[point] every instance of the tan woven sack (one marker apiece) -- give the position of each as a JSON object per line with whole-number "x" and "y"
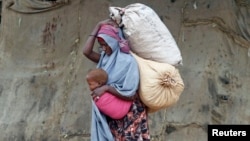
{"x": 160, "y": 84}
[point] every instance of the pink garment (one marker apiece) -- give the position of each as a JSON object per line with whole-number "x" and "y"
{"x": 113, "y": 106}
{"x": 114, "y": 33}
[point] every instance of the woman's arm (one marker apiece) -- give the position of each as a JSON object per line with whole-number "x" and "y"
{"x": 106, "y": 88}
{"x": 89, "y": 45}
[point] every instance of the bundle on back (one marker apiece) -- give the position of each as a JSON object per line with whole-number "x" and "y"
{"x": 161, "y": 84}
{"x": 148, "y": 36}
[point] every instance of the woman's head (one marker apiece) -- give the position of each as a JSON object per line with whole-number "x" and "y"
{"x": 104, "y": 46}
{"x": 108, "y": 38}
{"x": 96, "y": 78}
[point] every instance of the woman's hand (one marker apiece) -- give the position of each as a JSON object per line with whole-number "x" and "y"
{"x": 98, "y": 92}
{"x": 109, "y": 22}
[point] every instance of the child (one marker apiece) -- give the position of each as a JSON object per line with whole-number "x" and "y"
{"x": 108, "y": 104}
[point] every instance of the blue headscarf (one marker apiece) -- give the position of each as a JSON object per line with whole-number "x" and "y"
{"x": 100, "y": 130}
{"x": 121, "y": 67}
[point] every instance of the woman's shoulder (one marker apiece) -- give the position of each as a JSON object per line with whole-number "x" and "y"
{"x": 127, "y": 57}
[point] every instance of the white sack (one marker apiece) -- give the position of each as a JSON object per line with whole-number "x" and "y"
{"x": 148, "y": 36}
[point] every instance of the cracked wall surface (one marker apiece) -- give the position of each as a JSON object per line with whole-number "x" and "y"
{"x": 43, "y": 93}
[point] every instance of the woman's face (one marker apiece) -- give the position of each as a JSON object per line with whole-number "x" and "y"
{"x": 105, "y": 47}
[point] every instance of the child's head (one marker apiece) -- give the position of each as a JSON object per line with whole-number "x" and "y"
{"x": 96, "y": 78}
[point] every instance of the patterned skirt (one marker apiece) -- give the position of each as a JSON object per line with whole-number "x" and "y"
{"x": 134, "y": 126}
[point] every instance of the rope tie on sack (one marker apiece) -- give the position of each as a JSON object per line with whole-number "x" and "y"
{"x": 167, "y": 81}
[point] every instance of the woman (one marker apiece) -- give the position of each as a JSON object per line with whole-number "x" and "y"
{"x": 123, "y": 82}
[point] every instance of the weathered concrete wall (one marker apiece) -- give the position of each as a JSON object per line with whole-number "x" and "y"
{"x": 43, "y": 94}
